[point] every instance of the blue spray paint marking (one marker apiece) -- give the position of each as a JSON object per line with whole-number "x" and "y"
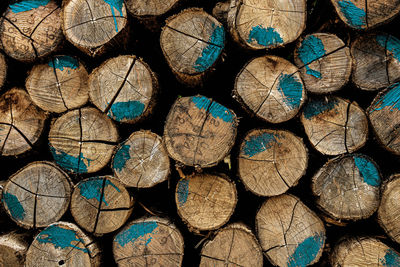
{"x": 183, "y": 191}
{"x": 62, "y": 62}
{"x": 117, "y": 4}
{"x": 306, "y": 251}
{"x": 14, "y": 206}
{"x": 121, "y": 157}
{"x": 216, "y": 110}
{"x": 391, "y": 259}
{"x": 258, "y": 144}
{"x": 311, "y": 49}
{"x": 391, "y": 44}
{"x": 69, "y": 162}
{"x": 264, "y": 36}
{"x": 136, "y": 232}
{"x": 60, "y": 237}
{"x": 28, "y": 5}
{"x": 91, "y": 189}
{"x": 390, "y": 99}
{"x": 368, "y": 171}
{"x": 355, "y": 16}
{"x": 126, "y": 110}
{"x": 211, "y": 52}
{"x": 291, "y": 90}
{"x": 318, "y": 106}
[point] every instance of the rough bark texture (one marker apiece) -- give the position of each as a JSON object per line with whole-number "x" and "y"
{"x": 13, "y": 248}
{"x": 3, "y": 70}
{"x": 139, "y": 8}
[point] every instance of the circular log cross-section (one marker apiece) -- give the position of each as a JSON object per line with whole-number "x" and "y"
{"x": 3, "y": 70}
{"x": 290, "y": 233}
{"x": 334, "y": 125}
{"x": 141, "y": 161}
{"x": 13, "y": 248}
{"x": 123, "y": 88}
{"x": 63, "y": 244}
{"x": 192, "y": 42}
{"x": 347, "y": 187}
{"x": 152, "y": 241}
{"x": 91, "y": 24}
{"x": 83, "y": 140}
{"x": 376, "y": 61}
{"x": 100, "y": 205}
{"x": 271, "y": 88}
{"x": 37, "y": 195}
{"x": 234, "y": 245}
{"x": 205, "y": 201}
{"x": 270, "y": 161}
{"x": 324, "y": 62}
{"x": 142, "y": 9}
{"x": 58, "y": 85}
{"x": 199, "y": 131}
{"x": 31, "y": 29}
{"x": 21, "y": 122}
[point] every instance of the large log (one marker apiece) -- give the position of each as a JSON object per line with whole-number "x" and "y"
{"x": 13, "y": 247}
{"x": 144, "y": 9}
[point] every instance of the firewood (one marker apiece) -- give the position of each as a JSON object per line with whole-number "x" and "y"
{"x": 3, "y": 70}
{"x": 13, "y": 247}
{"x": 143, "y": 9}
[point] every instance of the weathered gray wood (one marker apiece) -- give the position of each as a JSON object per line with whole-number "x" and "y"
{"x": 13, "y": 247}
{"x": 3, "y": 70}
{"x": 143, "y": 9}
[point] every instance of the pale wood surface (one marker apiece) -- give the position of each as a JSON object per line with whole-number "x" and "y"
{"x": 141, "y": 8}
{"x": 13, "y": 248}
{"x": 3, "y": 70}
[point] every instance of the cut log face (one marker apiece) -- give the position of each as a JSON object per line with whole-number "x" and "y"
{"x": 83, "y": 140}
{"x": 234, "y": 245}
{"x": 271, "y": 88}
{"x": 3, "y": 70}
{"x": 31, "y": 29}
{"x": 37, "y": 195}
{"x": 376, "y": 61}
{"x": 205, "y": 201}
{"x": 13, "y": 248}
{"x": 63, "y": 244}
{"x": 199, "y": 131}
{"x": 123, "y": 88}
{"x": 324, "y": 62}
{"x": 270, "y": 161}
{"x": 152, "y": 241}
{"x": 334, "y": 125}
{"x": 21, "y": 122}
{"x": 141, "y": 161}
{"x": 58, "y": 85}
{"x": 347, "y": 187}
{"x": 290, "y": 233}
{"x": 141, "y": 8}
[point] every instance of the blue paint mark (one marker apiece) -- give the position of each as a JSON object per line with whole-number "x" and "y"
{"x": 62, "y": 62}
{"x": 91, "y": 189}
{"x": 355, "y": 16}
{"x": 291, "y": 90}
{"x": 201, "y": 102}
{"x": 126, "y": 110}
{"x": 390, "y": 99}
{"x": 60, "y": 237}
{"x": 391, "y": 44}
{"x": 76, "y": 164}
{"x": 183, "y": 191}
{"x": 215, "y": 109}
{"x": 136, "y": 232}
{"x": 28, "y": 5}
{"x": 259, "y": 143}
{"x": 211, "y": 52}
{"x": 318, "y": 106}
{"x": 391, "y": 259}
{"x": 306, "y": 251}
{"x": 264, "y": 36}
{"x": 311, "y": 49}
{"x": 368, "y": 171}
{"x": 14, "y": 206}
{"x": 121, "y": 157}
{"x": 117, "y": 4}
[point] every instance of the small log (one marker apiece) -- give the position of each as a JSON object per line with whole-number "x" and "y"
{"x": 192, "y": 41}
{"x": 3, "y": 70}
{"x": 141, "y": 161}
{"x": 37, "y": 195}
{"x": 124, "y": 88}
{"x": 21, "y": 122}
{"x": 376, "y": 61}
{"x": 271, "y": 88}
{"x": 63, "y": 244}
{"x": 205, "y": 201}
{"x": 83, "y": 140}
{"x": 324, "y": 62}
{"x": 199, "y": 131}
{"x": 13, "y": 249}
{"x": 347, "y": 187}
{"x": 151, "y": 8}
{"x": 271, "y": 161}
{"x": 233, "y": 245}
{"x": 289, "y": 232}
{"x": 335, "y": 125}
{"x": 148, "y": 241}
{"x": 31, "y": 29}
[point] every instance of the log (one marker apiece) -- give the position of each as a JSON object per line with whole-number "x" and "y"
{"x": 271, "y": 88}
{"x": 124, "y": 88}
{"x": 13, "y": 249}
{"x": 192, "y": 42}
{"x": 63, "y": 244}
{"x": 347, "y": 187}
{"x": 141, "y": 161}
{"x": 376, "y": 61}
{"x": 324, "y": 62}
{"x": 148, "y": 241}
{"x": 234, "y": 245}
{"x": 199, "y": 131}
{"x": 101, "y": 204}
{"x": 31, "y": 29}
{"x": 151, "y": 8}
{"x": 83, "y": 140}
{"x": 334, "y": 125}
{"x": 3, "y": 70}
{"x": 289, "y": 232}
{"x": 205, "y": 201}
{"x": 21, "y": 122}
{"x": 271, "y": 161}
